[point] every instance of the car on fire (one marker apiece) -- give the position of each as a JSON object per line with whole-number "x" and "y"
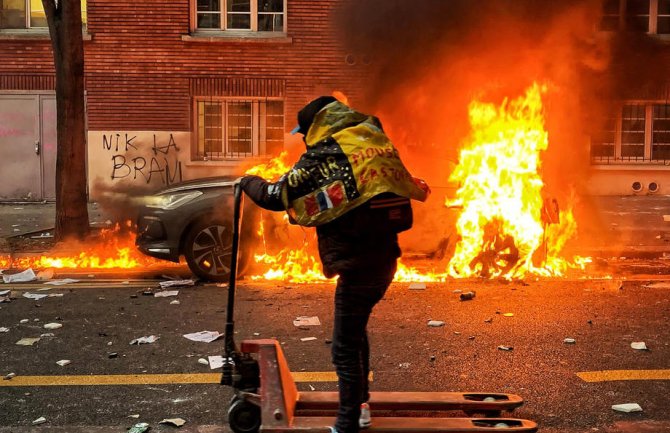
{"x": 194, "y": 219}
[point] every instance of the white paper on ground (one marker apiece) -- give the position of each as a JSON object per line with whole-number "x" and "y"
{"x": 638, "y": 345}
{"x": 53, "y": 325}
{"x": 307, "y": 321}
{"x": 62, "y": 282}
{"x": 4, "y": 329}
{"x": 166, "y": 293}
{"x": 145, "y": 340}
{"x": 204, "y": 336}
{"x": 627, "y": 407}
{"x": 215, "y": 361}
{"x": 28, "y": 341}
{"x": 435, "y": 323}
{"x": 308, "y": 339}
{"x": 176, "y": 283}
{"x": 21, "y": 277}
{"x": 174, "y": 421}
{"x": 34, "y": 296}
{"x": 40, "y": 420}
{"x": 63, "y": 362}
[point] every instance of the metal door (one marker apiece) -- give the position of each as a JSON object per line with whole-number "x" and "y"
{"x": 27, "y": 147}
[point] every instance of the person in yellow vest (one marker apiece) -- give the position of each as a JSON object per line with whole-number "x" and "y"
{"x": 352, "y": 186}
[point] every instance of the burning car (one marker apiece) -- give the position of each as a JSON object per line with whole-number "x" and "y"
{"x": 194, "y": 219}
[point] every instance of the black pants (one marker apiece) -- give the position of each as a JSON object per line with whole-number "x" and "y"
{"x": 355, "y": 296}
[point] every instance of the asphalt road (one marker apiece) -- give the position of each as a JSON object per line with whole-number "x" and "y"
{"x": 603, "y": 316}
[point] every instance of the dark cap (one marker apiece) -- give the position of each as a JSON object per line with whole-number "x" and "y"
{"x": 306, "y": 115}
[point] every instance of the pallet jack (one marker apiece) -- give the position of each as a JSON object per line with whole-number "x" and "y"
{"x": 266, "y": 398}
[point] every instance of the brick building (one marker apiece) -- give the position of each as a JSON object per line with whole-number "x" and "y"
{"x": 191, "y": 88}
{"x": 175, "y": 90}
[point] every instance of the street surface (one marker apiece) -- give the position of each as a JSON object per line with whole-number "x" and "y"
{"x": 101, "y": 317}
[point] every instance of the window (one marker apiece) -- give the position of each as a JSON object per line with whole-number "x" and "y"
{"x": 646, "y": 16}
{"x": 639, "y": 132}
{"x": 27, "y": 14}
{"x": 238, "y": 128}
{"x": 245, "y": 15}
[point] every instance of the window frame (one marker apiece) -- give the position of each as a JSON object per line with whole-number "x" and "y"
{"x": 618, "y": 158}
{"x": 38, "y": 31}
{"x": 652, "y": 23}
{"x": 258, "y": 127}
{"x": 223, "y": 15}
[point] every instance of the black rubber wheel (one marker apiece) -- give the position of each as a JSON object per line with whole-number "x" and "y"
{"x": 244, "y": 417}
{"x": 208, "y": 250}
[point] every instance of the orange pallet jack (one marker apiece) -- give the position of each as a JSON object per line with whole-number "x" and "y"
{"x": 266, "y": 398}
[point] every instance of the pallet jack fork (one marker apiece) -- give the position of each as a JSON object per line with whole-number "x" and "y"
{"x": 267, "y": 400}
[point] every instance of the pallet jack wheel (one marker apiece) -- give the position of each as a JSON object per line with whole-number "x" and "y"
{"x": 244, "y": 417}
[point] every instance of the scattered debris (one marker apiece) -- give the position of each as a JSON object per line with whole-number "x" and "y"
{"x": 24, "y": 321}
{"x": 432, "y": 358}
{"x": 62, "y": 282}
{"x": 417, "y": 286}
{"x": 175, "y": 302}
{"x": 404, "y": 365}
{"x": 569, "y": 341}
{"x": 177, "y": 422}
{"x": 63, "y": 362}
{"x": 308, "y": 339}
{"x": 21, "y": 277}
{"x": 257, "y": 334}
{"x": 34, "y": 296}
{"x": 505, "y": 348}
{"x": 627, "y": 407}
{"x": 215, "y": 361}
{"x": 135, "y": 415}
{"x": 53, "y": 325}
{"x": 203, "y": 361}
{"x": 140, "y": 427}
{"x": 9, "y": 376}
{"x": 176, "y": 283}
{"x": 457, "y": 291}
{"x": 3, "y": 329}
{"x": 204, "y": 336}
{"x": 468, "y": 296}
{"x": 435, "y": 323}
{"x": 508, "y": 314}
{"x": 28, "y": 341}
{"x": 47, "y": 334}
{"x": 489, "y": 320}
{"x": 166, "y": 293}
{"x": 306, "y": 321}
{"x": 112, "y": 355}
{"x": 40, "y": 420}
{"x": 639, "y": 345}
{"x": 145, "y": 340}
{"x": 4, "y": 292}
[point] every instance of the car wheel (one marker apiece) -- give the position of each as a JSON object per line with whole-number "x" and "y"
{"x": 208, "y": 250}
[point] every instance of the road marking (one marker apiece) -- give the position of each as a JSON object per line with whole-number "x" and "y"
{"x": 614, "y": 375}
{"x": 151, "y": 379}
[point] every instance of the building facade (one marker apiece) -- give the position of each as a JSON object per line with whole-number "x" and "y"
{"x": 174, "y": 90}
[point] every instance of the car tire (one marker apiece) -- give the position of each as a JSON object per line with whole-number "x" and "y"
{"x": 208, "y": 249}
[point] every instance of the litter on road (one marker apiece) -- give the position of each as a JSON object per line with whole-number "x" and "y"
{"x": 28, "y": 341}
{"x": 9, "y": 376}
{"x": 4, "y": 329}
{"x": 176, "y": 283}
{"x": 22, "y": 277}
{"x": 204, "y": 336}
{"x": 203, "y": 361}
{"x": 62, "y": 282}
{"x": 505, "y": 348}
{"x": 53, "y": 325}
{"x": 569, "y": 341}
{"x": 468, "y": 296}
{"x": 627, "y": 407}
{"x": 435, "y": 323}
{"x": 63, "y": 362}
{"x": 140, "y": 427}
{"x": 145, "y": 340}
{"x": 166, "y": 293}
{"x": 40, "y": 420}
{"x": 306, "y": 321}
{"x": 175, "y": 302}
{"x": 308, "y": 339}
{"x": 177, "y": 422}
{"x": 215, "y": 361}
{"x": 508, "y": 314}
{"x": 639, "y": 345}
{"x": 34, "y": 296}
{"x": 24, "y": 321}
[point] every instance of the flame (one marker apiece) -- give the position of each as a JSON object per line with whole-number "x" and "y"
{"x": 114, "y": 248}
{"x": 502, "y": 232}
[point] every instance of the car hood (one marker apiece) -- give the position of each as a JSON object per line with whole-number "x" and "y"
{"x": 197, "y": 184}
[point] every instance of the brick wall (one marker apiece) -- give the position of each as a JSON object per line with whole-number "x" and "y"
{"x": 142, "y": 68}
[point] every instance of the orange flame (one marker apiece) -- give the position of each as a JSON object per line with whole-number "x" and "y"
{"x": 502, "y": 232}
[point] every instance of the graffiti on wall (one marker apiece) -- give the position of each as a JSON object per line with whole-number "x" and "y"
{"x": 132, "y": 159}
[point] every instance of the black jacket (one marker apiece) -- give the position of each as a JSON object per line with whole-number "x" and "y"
{"x": 365, "y": 237}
